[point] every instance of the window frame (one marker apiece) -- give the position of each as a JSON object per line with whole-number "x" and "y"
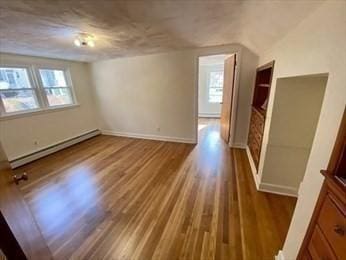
{"x": 208, "y": 84}
{"x": 69, "y": 85}
{"x": 39, "y": 90}
{"x": 34, "y": 88}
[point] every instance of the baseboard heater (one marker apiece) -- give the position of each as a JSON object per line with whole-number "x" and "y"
{"x": 52, "y": 149}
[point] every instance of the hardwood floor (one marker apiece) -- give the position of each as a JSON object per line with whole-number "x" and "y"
{"x": 122, "y": 198}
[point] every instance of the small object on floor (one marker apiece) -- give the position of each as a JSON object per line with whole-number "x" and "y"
{"x": 18, "y": 177}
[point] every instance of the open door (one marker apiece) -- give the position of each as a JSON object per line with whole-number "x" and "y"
{"x": 228, "y": 86}
{"x": 20, "y": 237}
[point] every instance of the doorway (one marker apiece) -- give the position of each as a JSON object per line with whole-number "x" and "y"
{"x": 216, "y": 80}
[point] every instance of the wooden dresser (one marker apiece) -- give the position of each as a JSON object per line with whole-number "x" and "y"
{"x": 326, "y": 235}
{"x": 256, "y": 133}
{"x": 258, "y": 110}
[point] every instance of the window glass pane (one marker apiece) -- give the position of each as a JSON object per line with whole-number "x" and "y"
{"x": 59, "y": 96}
{"x": 53, "y": 78}
{"x": 18, "y": 100}
{"x": 12, "y": 78}
{"x": 215, "y": 86}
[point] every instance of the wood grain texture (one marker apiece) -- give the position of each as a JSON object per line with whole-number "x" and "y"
{"x": 122, "y": 198}
{"x": 17, "y": 215}
{"x": 227, "y": 97}
{"x": 325, "y": 237}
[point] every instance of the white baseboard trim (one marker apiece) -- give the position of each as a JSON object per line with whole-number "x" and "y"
{"x": 268, "y": 187}
{"x": 280, "y": 256}
{"x": 149, "y": 137}
{"x": 239, "y": 145}
{"x": 19, "y": 161}
{"x": 253, "y": 167}
{"x": 209, "y": 115}
{"x": 278, "y": 189}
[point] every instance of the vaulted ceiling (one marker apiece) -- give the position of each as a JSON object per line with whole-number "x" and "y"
{"x": 127, "y": 28}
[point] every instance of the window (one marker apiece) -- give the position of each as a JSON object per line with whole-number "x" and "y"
{"x": 215, "y": 86}
{"x": 56, "y": 88}
{"x": 16, "y": 91}
{"x": 24, "y": 89}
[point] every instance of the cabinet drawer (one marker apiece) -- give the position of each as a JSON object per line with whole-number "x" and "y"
{"x": 258, "y": 137}
{"x": 252, "y": 135}
{"x": 332, "y": 222}
{"x": 254, "y": 149}
{"x": 257, "y": 122}
{"x": 318, "y": 246}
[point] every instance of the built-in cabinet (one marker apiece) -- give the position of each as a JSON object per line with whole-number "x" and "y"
{"x": 258, "y": 110}
{"x": 326, "y": 235}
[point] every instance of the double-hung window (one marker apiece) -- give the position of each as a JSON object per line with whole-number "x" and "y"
{"x": 27, "y": 89}
{"x": 16, "y": 90}
{"x": 56, "y": 87}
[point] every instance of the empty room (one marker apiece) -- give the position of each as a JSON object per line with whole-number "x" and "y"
{"x": 173, "y": 129}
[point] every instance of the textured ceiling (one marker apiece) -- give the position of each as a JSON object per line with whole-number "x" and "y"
{"x": 127, "y": 28}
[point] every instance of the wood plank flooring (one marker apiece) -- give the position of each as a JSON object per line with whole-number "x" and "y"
{"x": 121, "y": 198}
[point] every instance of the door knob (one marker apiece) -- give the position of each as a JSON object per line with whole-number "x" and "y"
{"x": 18, "y": 177}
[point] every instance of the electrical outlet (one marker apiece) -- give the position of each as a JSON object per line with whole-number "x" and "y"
{"x": 158, "y": 129}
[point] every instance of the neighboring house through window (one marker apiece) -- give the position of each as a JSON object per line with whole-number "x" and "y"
{"x": 16, "y": 91}
{"x": 57, "y": 90}
{"x": 24, "y": 89}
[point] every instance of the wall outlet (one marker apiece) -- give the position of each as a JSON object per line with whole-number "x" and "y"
{"x": 158, "y": 129}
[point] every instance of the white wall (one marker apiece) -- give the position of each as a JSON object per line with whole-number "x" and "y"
{"x": 150, "y": 95}
{"x": 316, "y": 45}
{"x": 18, "y": 135}
{"x": 155, "y": 96}
{"x": 3, "y": 156}
{"x": 296, "y": 109}
{"x": 205, "y": 108}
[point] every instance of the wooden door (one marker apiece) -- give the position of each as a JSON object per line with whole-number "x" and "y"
{"x": 20, "y": 236}
{"x": 228, "y": 87}
{"x": 9, "y": 245}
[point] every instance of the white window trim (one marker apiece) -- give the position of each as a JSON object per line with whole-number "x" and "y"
{"x": 68, "y": 79}
{"x": 33, "y": 87}
{"x": 32, "y": 112}
{"x": 37, "y": 86}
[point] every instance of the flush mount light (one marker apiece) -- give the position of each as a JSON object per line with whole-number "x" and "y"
{"x": 84, "y": 39}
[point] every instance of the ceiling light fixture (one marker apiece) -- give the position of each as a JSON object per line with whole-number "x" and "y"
{"x": 84, "y": 39}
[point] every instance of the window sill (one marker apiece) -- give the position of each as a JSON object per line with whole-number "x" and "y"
{"x": 37, "y": 112}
